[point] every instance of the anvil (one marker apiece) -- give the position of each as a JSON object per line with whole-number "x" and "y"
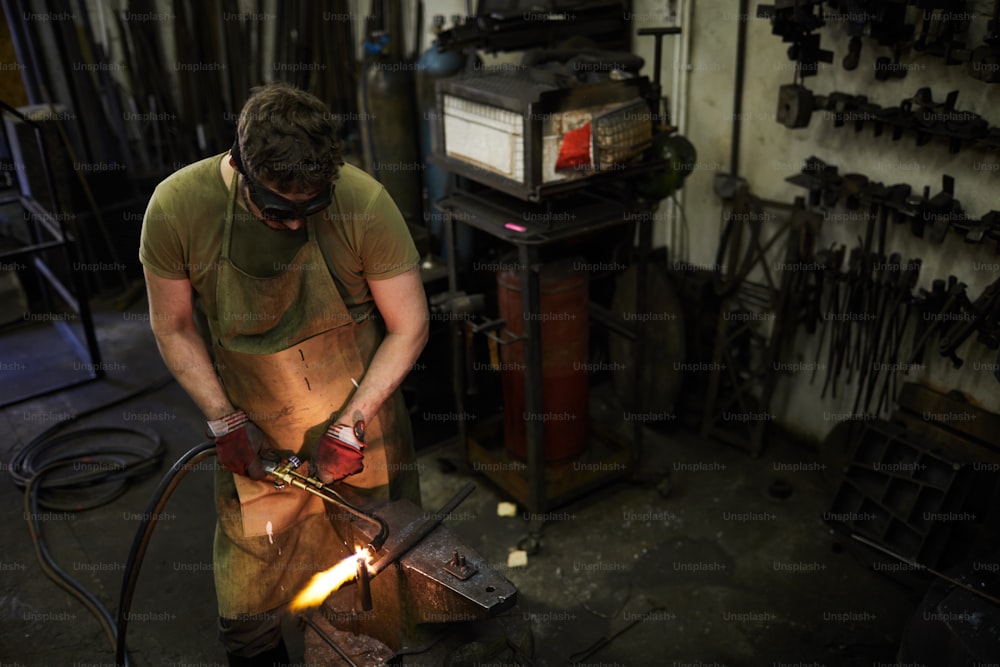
{"x": 422, "y": 575}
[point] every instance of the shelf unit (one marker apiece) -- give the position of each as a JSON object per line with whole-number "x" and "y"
{"x": 48, "y": 238}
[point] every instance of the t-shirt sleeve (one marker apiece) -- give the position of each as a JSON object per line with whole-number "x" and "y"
{"x": 160, "y": 247}
{"x": 387, "y": 248}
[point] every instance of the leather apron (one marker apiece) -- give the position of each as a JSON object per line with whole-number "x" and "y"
{"x": 287, "y": 350}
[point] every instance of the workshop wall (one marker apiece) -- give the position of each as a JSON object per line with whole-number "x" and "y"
{"x": 771, "y": 152}
{"x": 698, "y": 74}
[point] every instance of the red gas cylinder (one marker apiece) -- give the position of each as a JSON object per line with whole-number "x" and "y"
{"x": 563, "y": 320}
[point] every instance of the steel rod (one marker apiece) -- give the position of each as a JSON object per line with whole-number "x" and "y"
{"x": 399, "y": 550}
{"x": 975, "y": 591}
{"x": 322, "y": 635}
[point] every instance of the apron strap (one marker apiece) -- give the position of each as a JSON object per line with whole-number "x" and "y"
{"x": 227, "y": 226}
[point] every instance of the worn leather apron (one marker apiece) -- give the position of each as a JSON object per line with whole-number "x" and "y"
{"x": 287, "y": 350}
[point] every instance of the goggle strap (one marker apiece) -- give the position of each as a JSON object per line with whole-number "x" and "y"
{"x": 237, "y": 158}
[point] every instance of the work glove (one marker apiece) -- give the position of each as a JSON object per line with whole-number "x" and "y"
{"x": 340, "y": 452}
{"x": 239, "y": 443}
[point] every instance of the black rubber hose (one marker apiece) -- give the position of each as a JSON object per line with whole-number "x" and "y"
{"x": 143, "y": 535}
{"x": 98, "y": 465}
{"x": 42, "y": 439}
{"x": 86, "y": 481}
{"x": 106, "y": 469}
{"x": 49, "y": 566}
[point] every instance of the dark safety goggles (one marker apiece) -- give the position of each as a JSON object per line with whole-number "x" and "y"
{"x": 275, "y": 207}
{"x": 272, "y": 205}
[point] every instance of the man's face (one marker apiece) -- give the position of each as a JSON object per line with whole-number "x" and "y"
{"x": 279, "y": 211}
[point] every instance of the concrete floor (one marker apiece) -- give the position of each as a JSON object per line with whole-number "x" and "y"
{"x": 710, "y": 567}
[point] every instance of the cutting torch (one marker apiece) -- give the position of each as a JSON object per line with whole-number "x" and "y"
{"x": 286, "y": 472}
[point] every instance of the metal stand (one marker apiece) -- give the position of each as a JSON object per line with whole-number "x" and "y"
{"x": 47, "y": 233}
{"x": 754, "y": 321}
{"x": 533, "y": 484}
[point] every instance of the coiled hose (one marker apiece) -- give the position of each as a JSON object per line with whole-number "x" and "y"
{"x": 108, "y": 469}
{"x": 56, "y": 473}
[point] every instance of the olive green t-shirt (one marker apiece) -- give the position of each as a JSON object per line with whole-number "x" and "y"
{"x": 362, "y": 235}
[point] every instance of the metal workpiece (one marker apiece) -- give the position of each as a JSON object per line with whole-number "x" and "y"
{"x": 442, "y": 594}
{"x": 411, "y": 580}
{"x": 425, "y": 550}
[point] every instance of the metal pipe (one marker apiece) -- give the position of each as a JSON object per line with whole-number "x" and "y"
{"x": 364, "y": 584}
{"x": 971, "y": 589}
{"x": 741, "y": 43}
{"x": 411, "y": 540}
{"x": 531, "y": 306}
{"x": 454, "y": 326}
{"x": 329, "y": 642}
{"x": 639, "y": 356}
{"x": 68, "y": 297}
{"x": 675, "y": 213}
{"x": 682, "y": 62}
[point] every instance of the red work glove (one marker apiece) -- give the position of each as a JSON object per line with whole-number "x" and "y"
{"x": 339, "y": 453}
{"x": 238, "y": 444}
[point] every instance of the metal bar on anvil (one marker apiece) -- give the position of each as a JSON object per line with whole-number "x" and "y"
{"x": 397, "y": 550}
{"x": 426, "y": 575}
{"x": 920, "y": 566}
{"x": 329, "y": 642}
{"x": 422, "y": 531}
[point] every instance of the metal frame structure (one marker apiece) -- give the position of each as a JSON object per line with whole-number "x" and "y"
{"x": 48, "y": 234}
{"x": 743, "y": 375}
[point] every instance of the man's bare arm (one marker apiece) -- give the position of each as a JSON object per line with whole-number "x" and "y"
{"x": 403, "y": 305}
{"x": 171, "y": 316}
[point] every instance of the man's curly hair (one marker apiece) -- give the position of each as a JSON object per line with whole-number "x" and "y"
{"x": 288, "y": 138}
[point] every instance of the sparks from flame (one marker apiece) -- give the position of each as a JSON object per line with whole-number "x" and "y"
{"x": 324, "y": 583}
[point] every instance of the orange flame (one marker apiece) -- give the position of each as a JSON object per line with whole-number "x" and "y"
{"x": 324, "y": 583}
